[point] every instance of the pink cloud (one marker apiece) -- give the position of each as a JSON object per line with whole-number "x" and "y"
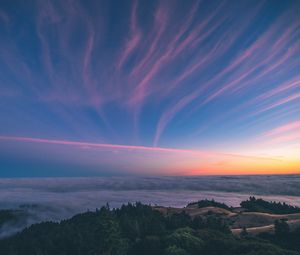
{"x": 170, "y": 114}
{"x": 272, "y": 61}
{"x": 161, "y": 17}
{"x": 114, "y": 147}
{"x": 284, "y": 128}
{"x": 295, "y": 83}
{"x": 174, "y": 49}
{"x": 99, "y": 145}
{"x": 280, "y": 102}
{"x": 253, "y": 59}
{"x": 240, "y": 71}
{"x": 197, "y": 35}
{"x": 95, "y": 97}
{"x": 47, "y": 15}
{"x": 289, "y": 132}
{"x": 283, "y": 138}
{"x": 134, "y": 39}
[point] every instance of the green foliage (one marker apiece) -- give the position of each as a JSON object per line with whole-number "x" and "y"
{"x": 178, "y": 220}
{"x": 260, "y": 205}
{"x": 6, "y": 215}
{"x": 174, "y": 250}
{"x": 283, "y": 236}
{"x": 186, "y": 239}
{"x": 244, "y": 232}
{"x": 281, "y": 227}
{"x": 11, "y": 216}
{"x": 137, "y": 229}
{"x": 207, "y": 203}
{"x": 138, "y": 221}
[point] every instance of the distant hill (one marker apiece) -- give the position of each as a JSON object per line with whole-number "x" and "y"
{"x": 207, "y": 203}
{"x": 260, "y": 205}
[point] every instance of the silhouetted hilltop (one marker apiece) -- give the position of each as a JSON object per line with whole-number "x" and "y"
{"x": 207, "y": 203}
{"x": 260, "y": 205}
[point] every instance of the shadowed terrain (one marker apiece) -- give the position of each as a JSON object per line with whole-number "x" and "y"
{"x": 205, "y": 227}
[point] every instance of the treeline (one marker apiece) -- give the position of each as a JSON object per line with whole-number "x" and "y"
{"x": 6, "y": 215}
{"x": 207, "y": 203}
{"x": 252, "y": 205}
{"x": 283, "y": 236}
{"x": 11, "y": 216}
{"x": 259, "y": 205}
{"x": 136, "y": 229}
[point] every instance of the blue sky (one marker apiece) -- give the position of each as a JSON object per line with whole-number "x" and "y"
{"x": 168, "y": 83}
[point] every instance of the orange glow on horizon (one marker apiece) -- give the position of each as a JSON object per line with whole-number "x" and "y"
{"x": 170, "y": 161}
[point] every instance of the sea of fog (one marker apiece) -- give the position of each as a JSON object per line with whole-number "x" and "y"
{"x": 60, "y": 198}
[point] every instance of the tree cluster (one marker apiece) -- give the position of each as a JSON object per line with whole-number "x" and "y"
{"x": 259, "y": 205}
{"x": 207, "y": 203}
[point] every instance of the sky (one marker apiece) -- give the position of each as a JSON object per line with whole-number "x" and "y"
{"x": 107, "y": 88}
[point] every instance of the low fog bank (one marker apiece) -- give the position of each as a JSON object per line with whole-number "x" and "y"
{"x": 54, "y": 199}
{"x": 259, "y": 184}
{"x": 28, "y": 214}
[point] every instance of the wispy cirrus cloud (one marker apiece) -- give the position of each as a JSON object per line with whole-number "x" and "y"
{"x": 295, "y": 125}
{"x": 134, "y": 37}
{"x": 252, "y": 66}
{"x": 97, "y": 145}
{"x": 85, "y": 145}
{"x": 285, "y": 134}
{"x": 279, "y": 102}
{"x": 148, "y": 73}
{"x": 289, "y": 132}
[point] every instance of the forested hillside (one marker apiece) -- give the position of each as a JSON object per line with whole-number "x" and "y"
{"x": 138, "y": 229}
{"x": 259, "y": 205}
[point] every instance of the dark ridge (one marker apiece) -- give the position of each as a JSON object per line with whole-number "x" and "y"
{"x": 259, "y": 205}
{"x": 207, "y": 203}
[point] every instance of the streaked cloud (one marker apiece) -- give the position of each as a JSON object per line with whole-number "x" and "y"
{"x": 289, "y": 132}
